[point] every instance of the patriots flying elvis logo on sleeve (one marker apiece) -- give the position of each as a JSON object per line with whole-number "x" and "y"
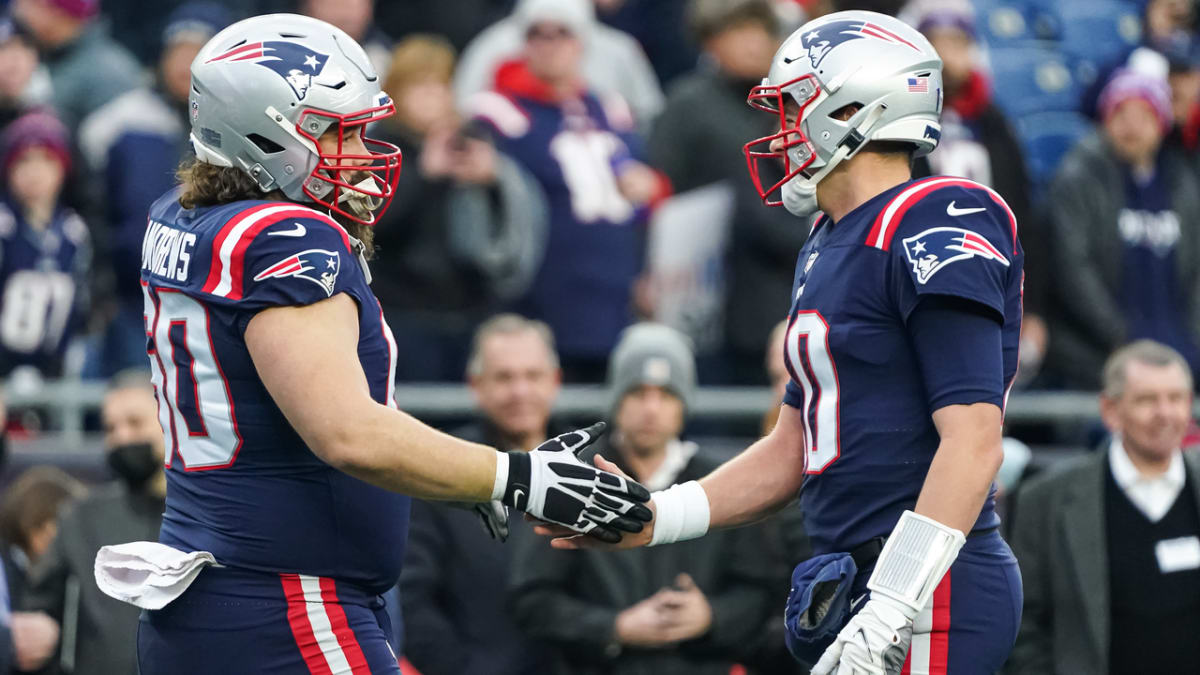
{"x": 293, "y": 62}
{"x": 822, "y": 39}
{"x": 933, "y": 249}
{"x": 316, "y": 265}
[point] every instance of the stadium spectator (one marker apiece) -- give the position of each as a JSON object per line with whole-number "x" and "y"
{"x": 456, "y": 618}
{"x": 62, "y": 584}
{"x": 87, "y": 68}
{"x": 24, "y": 82}
{"x": 45, "y": 249}
{"x": 1125, "y": 254}
{"x": 693, "y": 609}
{"x": 978, "y": 143}
{"x": 28, "y": 522}
{"x": 597, "y": 192}
{"x": 356, "y": 18}
{"x": 612, "y": 61}
{"x": 132, "y": 146}
{"x": 467, "y": 226}
{"x": 457, "y": 20}
{"x": 1108, "y": 544}
{"x": 777, "y": 374}
{"x": 660, "y": 27}
{"x": 1168, "y": 21}
{"x": 738, "y": 39}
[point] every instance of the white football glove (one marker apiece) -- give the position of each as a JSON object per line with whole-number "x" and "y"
{"x": 875, "y": 642}
{"x": 552, "y": 484}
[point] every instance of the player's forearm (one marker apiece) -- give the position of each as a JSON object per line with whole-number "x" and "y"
{"x": 966, "y": 462}
{"x": 393, "y": 450}
{"x": 758, "y": 482}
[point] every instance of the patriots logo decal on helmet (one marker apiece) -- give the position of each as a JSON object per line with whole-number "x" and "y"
{"x": 293, "y": 62}
{"x": 933, "y": 249}
{"x": 821, "y": 40}
{"x": 316, "y": 265}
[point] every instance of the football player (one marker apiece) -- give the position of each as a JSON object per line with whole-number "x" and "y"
{"x": 901, "y": 346}
{"x": 288, "y": 463}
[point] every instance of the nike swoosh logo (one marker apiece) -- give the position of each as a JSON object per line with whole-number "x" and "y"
{"x": 517, "y": 494}
{"x": 300, "y": 231}
{"x": 952, "y": 211}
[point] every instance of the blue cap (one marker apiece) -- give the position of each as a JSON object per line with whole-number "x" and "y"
{"x": 195, "y": 21}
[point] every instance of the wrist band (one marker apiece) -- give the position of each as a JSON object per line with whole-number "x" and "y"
{"x": 681, "y": 513}
{"x": 501, "y": 480}
{"x": 915, "y": 558}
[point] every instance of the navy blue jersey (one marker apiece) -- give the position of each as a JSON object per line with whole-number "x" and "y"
{"x": 240, "y": 481}
{"x": 593, "y": 250}
{"x": 855, "y": 377}
{"x": 43, "y": 287}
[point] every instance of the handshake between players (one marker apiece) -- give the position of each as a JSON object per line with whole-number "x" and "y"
{"x": 553, "y": 485}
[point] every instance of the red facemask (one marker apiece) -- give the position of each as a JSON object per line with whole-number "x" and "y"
{"x": 770, "y": 98}
{"x": 367, "y": 198}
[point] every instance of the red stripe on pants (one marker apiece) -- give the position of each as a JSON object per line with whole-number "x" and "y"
{"x": 939, "y": 637}
{"x": 341, "y": 628}
{"x": 301, "y": 629}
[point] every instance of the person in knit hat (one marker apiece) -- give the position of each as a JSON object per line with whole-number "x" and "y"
{"x": 87, "y": 68}
{"x": 45, "y": 249}
{"x": 1124, "y": 247}
{"x": 694, "y": 609}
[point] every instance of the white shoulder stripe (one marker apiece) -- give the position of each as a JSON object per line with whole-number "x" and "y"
{"x": 500, "y": 111}
{"x": 225, "y": 255}
{"x": 890, "y": 212}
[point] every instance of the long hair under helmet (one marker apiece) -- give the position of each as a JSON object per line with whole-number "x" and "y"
{"x": 266, "y": 88}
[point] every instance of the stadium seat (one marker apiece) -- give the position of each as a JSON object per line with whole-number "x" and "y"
{"x": 1099, "y": 31}
{"x": 1033, "y": 78}
{"x": 1045, "y": 138}
{"x": 1002, "y": 22}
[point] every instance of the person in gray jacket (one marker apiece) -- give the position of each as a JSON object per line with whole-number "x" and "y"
{"x": 1125, "y": 237}
{"x": 738, "y": 39}
{"x": 87, "y": 67}
{"x": 695, "y": 608}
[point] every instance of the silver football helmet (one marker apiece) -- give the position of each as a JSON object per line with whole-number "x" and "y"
{"x": 265, "y": 89}
{"x": 870, "y": 60}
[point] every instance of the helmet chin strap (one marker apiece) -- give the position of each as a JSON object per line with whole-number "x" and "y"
{"x": 800, "y": 193}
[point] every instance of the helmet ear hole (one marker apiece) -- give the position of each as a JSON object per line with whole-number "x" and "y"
{"x": 845, "y": 112}
{"x": 268, "y": 146}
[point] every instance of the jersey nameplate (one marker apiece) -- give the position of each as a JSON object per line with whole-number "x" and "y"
{"x": 167, "y": 252}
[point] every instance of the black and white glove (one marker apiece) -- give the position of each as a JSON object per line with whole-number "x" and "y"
{"x": 552, "y": 484}
{"x": 492, "y": 515}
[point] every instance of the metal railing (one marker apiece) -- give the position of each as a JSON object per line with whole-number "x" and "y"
{"x": 67, "y": 403}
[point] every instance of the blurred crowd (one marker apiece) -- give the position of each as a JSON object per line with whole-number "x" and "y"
{"x": 573, "y": 207}
{"x": 580, "y": 163}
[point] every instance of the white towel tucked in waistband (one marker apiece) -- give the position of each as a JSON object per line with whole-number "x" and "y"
{"x": 146, "y": 573}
